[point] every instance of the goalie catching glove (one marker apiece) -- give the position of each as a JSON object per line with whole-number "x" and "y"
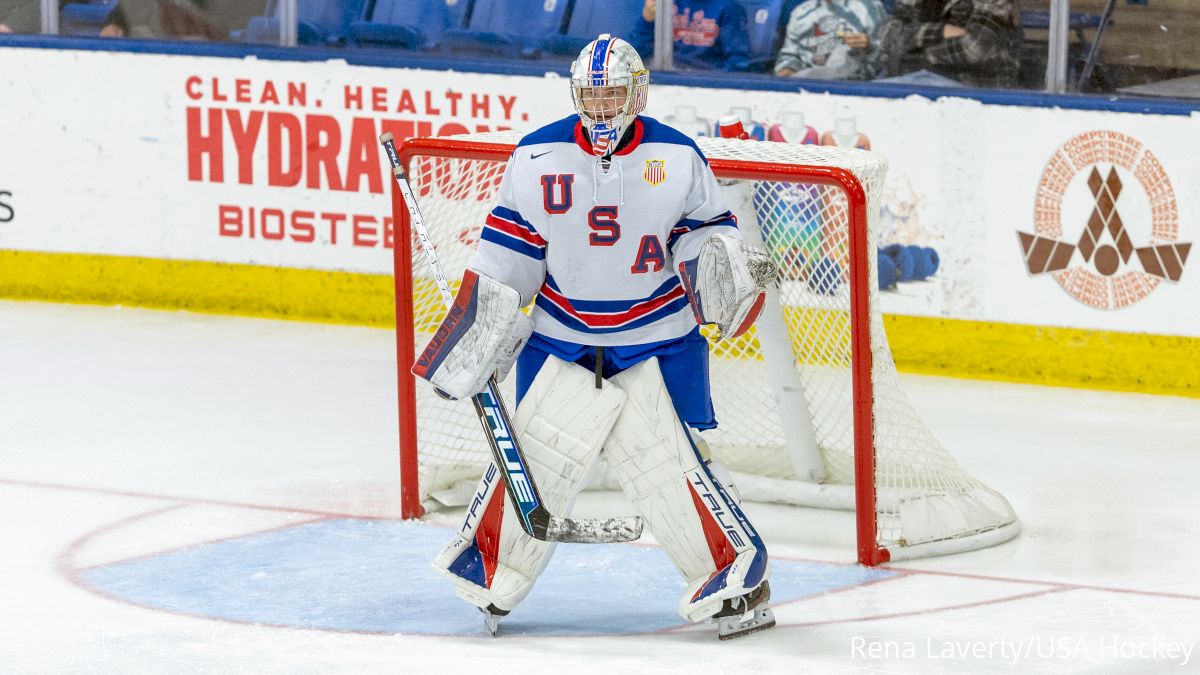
{"x": 726, "y": 283}
{"x": 482, "y": 334}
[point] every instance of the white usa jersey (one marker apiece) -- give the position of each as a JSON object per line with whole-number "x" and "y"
{"x": 600, "y": 248}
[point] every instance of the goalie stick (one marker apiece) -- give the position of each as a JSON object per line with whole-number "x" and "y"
{"x": 535, "y": 518}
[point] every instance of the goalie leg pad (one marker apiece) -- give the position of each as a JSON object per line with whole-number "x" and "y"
{"x": 726, "y": 283}
{"x": 561, "y": 424}
{"x": 481, "y": 335}
{"x": 700, "y": 526}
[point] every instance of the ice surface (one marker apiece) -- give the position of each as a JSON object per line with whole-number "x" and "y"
{"x": 190, "y": 493}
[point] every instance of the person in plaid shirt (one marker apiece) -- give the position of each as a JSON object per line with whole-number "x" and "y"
{"x": 972, "y": 41}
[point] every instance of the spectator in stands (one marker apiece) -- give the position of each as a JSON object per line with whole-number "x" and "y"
{"x": 20, "y": 16}
{"x": 134, "y": 19}
{"x": 972, "y": 41}
{"x": 191, "y": 20}
{"x": 210, "y": 20}
{"x": 131, "y": 18}
{"x": 832, "y": 40}
{"x": 708, "y": 34}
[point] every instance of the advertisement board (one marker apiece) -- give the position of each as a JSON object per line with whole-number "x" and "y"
{"x": 1039, "y": 216}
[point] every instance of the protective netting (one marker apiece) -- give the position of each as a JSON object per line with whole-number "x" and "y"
{"x": 776, "y": 389}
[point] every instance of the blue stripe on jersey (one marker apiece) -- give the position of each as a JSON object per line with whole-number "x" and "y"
{"x": 562, "y": 131}
{"x": 599, "y": 55}
{"x": 654, "y": 131}
{"x": 575, "y": 324}
{"x": 614, "y": 305}
{"x": 688, "y": 225}
{"x": 491, "y": 234}
{"x": 514, "y": 216}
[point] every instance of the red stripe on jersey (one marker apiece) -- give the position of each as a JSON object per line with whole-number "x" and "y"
{"x": 683, "y": 228}
{"x": 581, "y": 138}
{"x": 487, "y": 537}
{"x": 609, "y": 320}
{"x": 513, "y": 229}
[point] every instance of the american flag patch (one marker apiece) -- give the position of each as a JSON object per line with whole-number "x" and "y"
{"x": 656, "y": 171}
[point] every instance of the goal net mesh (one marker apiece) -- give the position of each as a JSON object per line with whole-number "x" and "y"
{"x": 926, "y": 502}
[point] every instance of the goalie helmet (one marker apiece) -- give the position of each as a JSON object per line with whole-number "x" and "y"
{"x": 608, "y": 85}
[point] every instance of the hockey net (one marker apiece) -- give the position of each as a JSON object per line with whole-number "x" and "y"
{"x": 809, "y": 403}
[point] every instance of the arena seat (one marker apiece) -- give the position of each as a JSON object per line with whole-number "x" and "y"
{"x": 410, "y": 24}
{"x": 320, "y": 22}
{"x": 763, "y": 23}
{"x": 85, "y": 18}
{"x": 510, "y": 27}
{"x": 590, "y": 18}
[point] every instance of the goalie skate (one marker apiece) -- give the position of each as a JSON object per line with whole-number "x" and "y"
{"x": 491, "y": 618}
{"x": 745, "y": 614}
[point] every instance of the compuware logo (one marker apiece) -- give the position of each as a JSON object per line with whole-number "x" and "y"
{"x": 1112, "y": 191}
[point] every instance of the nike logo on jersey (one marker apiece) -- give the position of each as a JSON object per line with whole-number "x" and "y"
{"x": 540, "y": 154}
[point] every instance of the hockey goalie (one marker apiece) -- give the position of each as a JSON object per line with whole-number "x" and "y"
{"x": 613, "y": 225}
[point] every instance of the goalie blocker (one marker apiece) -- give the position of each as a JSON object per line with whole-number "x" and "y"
{"x": 481, "y": 335}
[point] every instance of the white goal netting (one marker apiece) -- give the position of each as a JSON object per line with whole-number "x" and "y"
{"x": 784, "y": 392}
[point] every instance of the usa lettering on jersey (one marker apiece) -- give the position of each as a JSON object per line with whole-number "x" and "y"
{"x": 597, "y": 244}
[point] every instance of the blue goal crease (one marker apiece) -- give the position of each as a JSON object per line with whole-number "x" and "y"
{"x": 374, "y": 576}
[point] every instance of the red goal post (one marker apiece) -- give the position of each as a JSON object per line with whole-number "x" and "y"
{"x": 812, "y": 207}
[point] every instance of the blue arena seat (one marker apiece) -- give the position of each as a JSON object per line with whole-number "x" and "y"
{"x": 514, "y": 27}
{"x": 763, "y": 22}
{"x": 320, "y": 22}
{"x": 85, "y": 18}
{"x": 326, "y": 21}
{"x": 1077, "y": 21}
{"x": 590, "y": 18}
{"x": 411, "y": 24}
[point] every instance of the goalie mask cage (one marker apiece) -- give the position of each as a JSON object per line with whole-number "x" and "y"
{"x": 809, "y": 403}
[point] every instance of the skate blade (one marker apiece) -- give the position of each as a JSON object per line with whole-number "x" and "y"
{"x": 731, "y": 627}
{"x": 491, "y": 622}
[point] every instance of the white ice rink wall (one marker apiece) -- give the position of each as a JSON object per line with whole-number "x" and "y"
{"x": 246, "y": 185}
